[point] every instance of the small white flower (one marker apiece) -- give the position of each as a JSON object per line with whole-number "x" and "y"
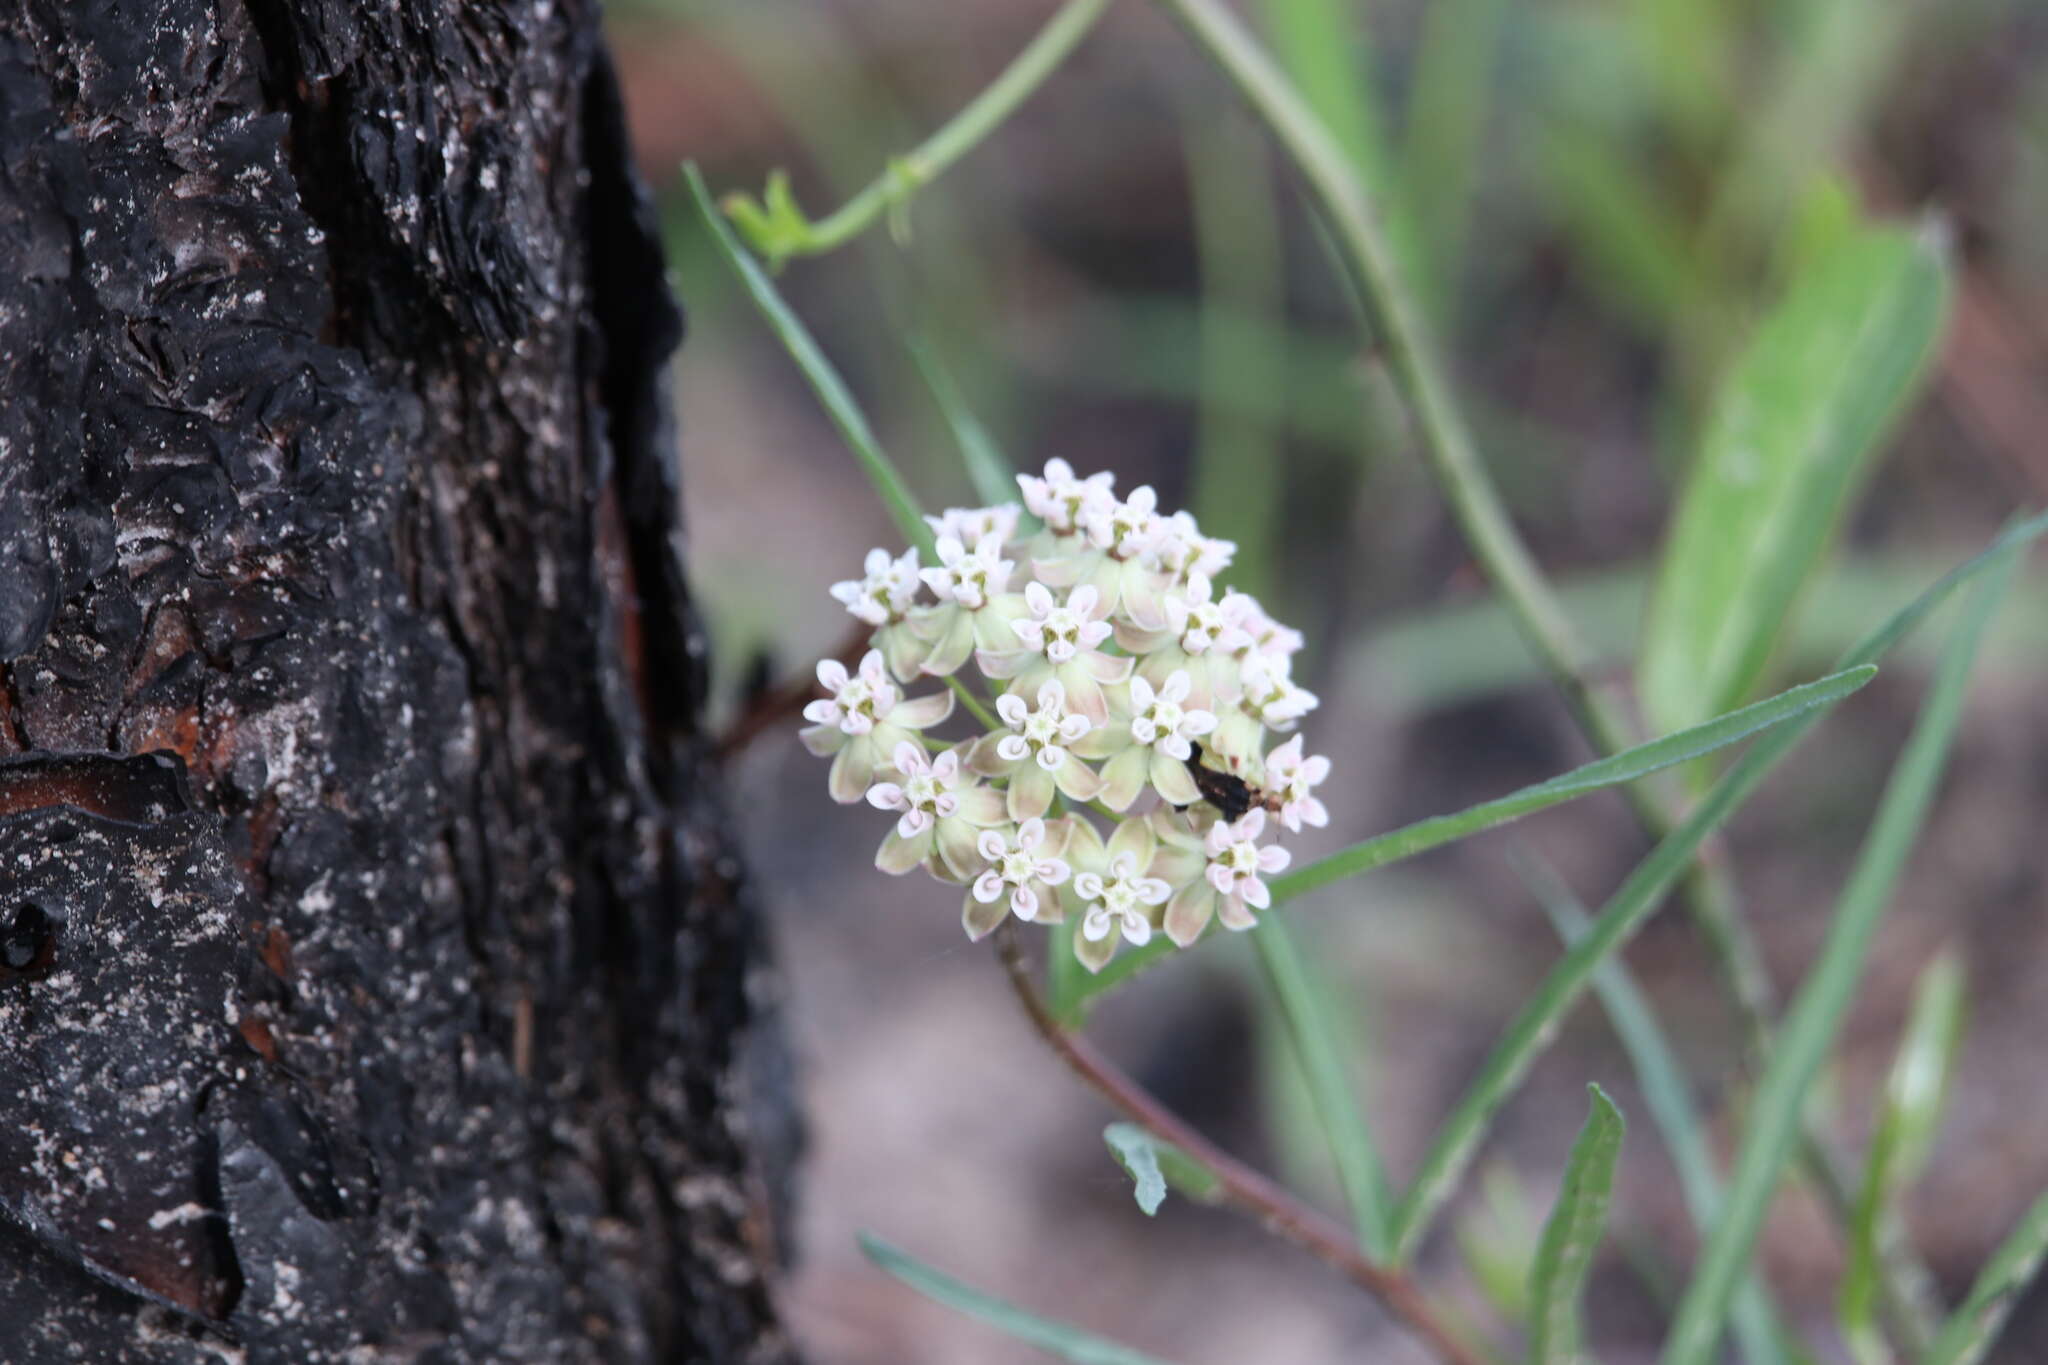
{"x": 886, "y": 592}
{"x": 972, "y": 525}
{"x": 1186, "y": 551}
{"x": 1271, "y": 695}
{"x": 858, "y": 699}
{"x": 969, "y": 577}
{"x": 1262, "y": 633}
{"x": 1159, "y": 719}
{"x": 863, "y": 721}
{"x": 1126, "y": 529}
{"x": 1202, "y": 624}
{"x": 1060, "y": 500}
{"x": 1018, "y": 868}
{"x": 1292, "y": 778}
{"x": 1043, "y": 735}
{"x": 927, "y": 792}
{"x": 1118, "y": 901}
{"x": 1062, "y": 631}
{"x": 1237, "y": 865}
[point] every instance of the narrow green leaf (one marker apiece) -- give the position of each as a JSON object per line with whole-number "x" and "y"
{"x": 1066, "y": 980}
{"x": 1915, "y": 1096}
{"x": 831, "y": 390}
{"x": 1975, "y": 1326}
{"x": 1448, "y": 104}
{"x": 1668, "y": 1096}
{"x": 1824, "y": 999}
{"x": 1156, "y": 1166}
{"x": 1773, "y": 747}
{"x": 1564, "y": 1259}
{"x": 1789, "y": 435}
{"x": 1314, "y": 1028}
{"x": 1054, "y": 1338}
{"x": 993, "y": 477}
{"x": 1626, "y": 766}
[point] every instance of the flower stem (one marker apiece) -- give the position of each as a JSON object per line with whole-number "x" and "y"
{"x": 1362, "y": 246}
{"x": 906, "y": 174}
{"x": 973, "y": 703}
{"x": 1278, "y": 1211}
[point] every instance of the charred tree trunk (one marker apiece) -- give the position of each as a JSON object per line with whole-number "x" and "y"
{"x": 373, "y": 977}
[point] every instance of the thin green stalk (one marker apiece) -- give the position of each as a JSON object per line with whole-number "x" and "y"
{"x": 832, "y": 392}
{"x": 1313, "y": 1030}
{"x": 1410, "y": 359}
{"x": 1667, "y": 1094}
{"x": 973, "y": 704}
{"x": 1970, "y": 1333}
{"x": 779, "y": 230}
{"x": 1824, "y": 1000}
{"x": 1455, "y": 462}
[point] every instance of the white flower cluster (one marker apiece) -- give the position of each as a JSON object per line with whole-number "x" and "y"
{"x": 1124, "y": 671}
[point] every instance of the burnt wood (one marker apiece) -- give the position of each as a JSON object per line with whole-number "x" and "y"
{"x": 374, "y": 967}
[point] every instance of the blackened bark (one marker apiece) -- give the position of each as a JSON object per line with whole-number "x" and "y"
{"x": 373, "y": 973}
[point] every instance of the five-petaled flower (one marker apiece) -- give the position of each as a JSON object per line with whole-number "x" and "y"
{"x": 1061, "y": 641}
{"x": 1024, "y": 867}
{"x": 975, "y": 607}
{"x": 941, "y": 812}
{"x": 863, "y": 720}
{"x": 1062, "y": 501}
{"x": 1161, "y": 734}
{"x": 1035, "y": 755}
{"x": 1113, "y": 888}
{"x": 883, "y": 597}
{"x": 1291, "y": 779}
{"x": 1232, "y": 884}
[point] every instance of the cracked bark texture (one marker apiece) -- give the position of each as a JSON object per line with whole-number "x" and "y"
{"x": 374, "y": 973}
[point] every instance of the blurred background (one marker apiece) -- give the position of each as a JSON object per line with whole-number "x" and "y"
{"x": 1597, "y": 199}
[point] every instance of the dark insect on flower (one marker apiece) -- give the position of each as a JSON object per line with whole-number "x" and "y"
{"x": 1227, "y": 792}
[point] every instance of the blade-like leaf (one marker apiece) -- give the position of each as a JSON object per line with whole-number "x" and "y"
{"x": 1626, "y": 766}
{"x": 1915, "y": 1096}
{"x": 832, "y": 392}
{"x": 1314, "y": 1029}
{"x": 1055, "y": 1338}
{"x": 1565, "y": 1256}
{"x": 1872, "y": 647}
{"x": 991, "y": 474}
{"x": 1970, "y": 1333}
{"x": 1817, "y": 1014}
{"x": 1789, "y": 435}
{"x": 1155, "y": 1167}
{"x": 1668, "y": 1097}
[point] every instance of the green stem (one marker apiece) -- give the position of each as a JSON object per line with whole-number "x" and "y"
{"x": 906, "y": 174}
{"x": 1447, "y": 444}
{"x": 973, "y": 704}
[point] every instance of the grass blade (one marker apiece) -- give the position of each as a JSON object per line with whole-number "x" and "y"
{"x": 1816, "y": 1015}
{"x": 1314, "y": 1031}
{"x": 1054, "y": 1338}
{"x": 1626, "y": 766}
{"x": 1872, "y": 647}
{"x": 832, "y": 392}
{"x": 1668, "y": 1097}
{"x": 1789, "y": 436}
{"x": 1564, "y": 1259}
{"x": 992, "y": 476}
{"x": 1973, "y": 1329}
{"x": 1915, "y": 1096}
{"x": 1457, "y": 55}
{"x": 1536, "y": 1024}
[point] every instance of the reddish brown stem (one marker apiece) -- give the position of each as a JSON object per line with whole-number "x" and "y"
{"x": 770, "y": 709}
{"x": 1252, "y": 1192}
